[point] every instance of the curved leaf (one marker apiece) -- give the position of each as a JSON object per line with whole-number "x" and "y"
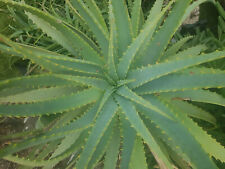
{"x": 102, "y": 122}
{"x": 138, "y": 155}
{"x": 193, "y": 78}
{"x": 204, "y": 96}
{"x": 151, "y": 72}
{"x": 112, "y": 151}
{"x": 137, "y": 123}
{"x": 128, "y": 135}
{"x": 58, "y": 31}
{"x": 136, "y": 45}
{"x": 122, "y": 24}
{"x": 180, "y": 134}
{"x": 161, "y": 39}
{"x": 52, "y": 106}
{"x": 94, "y": 21}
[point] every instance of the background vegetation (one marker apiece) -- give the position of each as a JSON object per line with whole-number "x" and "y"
{"x": 208, "y": 30}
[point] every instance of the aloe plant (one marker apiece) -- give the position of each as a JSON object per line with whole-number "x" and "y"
{"x": 121, "y": 96}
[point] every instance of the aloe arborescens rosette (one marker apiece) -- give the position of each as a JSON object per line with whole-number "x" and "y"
{"x": 115, "y": 95}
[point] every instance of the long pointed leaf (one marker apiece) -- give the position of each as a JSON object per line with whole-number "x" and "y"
{"x": 138, "y": 155}
{"x": 194, "y": 111}
{"x": 58, "y": 31}
{"x": 40, "y": 94}
{"x": 102, "y": 123}
{"x": 210, "y": 145}
{"x": 204, "y": 96}
{"x": 112, "y": 56}
{"x": 53, "y": 61}
{"x": 97, "y": 13}
{"x": 129, "y": 94}
{"x": 35, "y": 81}
{"x": 180, "y": 134}
{"x": 136, "y": 17}
{"x": 176, "y": 47}
{"x": 123, "y": 24}
{"x": 129, "y": 135}
{"x": 112, "y": 152}
{"x": 134, "y": 48}
{"x": 163, "y": 36}
{"x": 87, "y": 81}
{"x": 102, "y": 146}
{"x": 100, "y": 32}
{"x": 149, "y": 73}
{"x": 192, "y": 51}
{"x": 135, "y": 120}
{"x": 193, "y": 78}
{"x": 56, "y": 105}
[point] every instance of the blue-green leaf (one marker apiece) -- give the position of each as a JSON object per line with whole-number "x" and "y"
{"x": 137, "y": 123}
{"x": 151, "y": 72}
{"x": 102, "y": 122}
{"x": 163, "y": 36}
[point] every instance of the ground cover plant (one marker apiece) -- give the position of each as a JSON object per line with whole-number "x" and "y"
{"x": 118, "y": 96}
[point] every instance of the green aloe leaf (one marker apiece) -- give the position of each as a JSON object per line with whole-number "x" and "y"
{"x": 161, "y": 39}
{"x": 50, "y": 162}
{"x": 177, "y": 132}
{"x": 39, "y": 94}
{"x": 193, "y": 78}
{"x": 112, "y": 53}
{"x": 102, "y": 123}
{"x": 35, "y": 81}
{"x": 204, "y": 96}
{"x": 192, "y": 51}
{"x": 52, "y": 61}
{"x": 110, "y": 88}
{"x": 176, "y": 47}
{"x": 129, "y": 94}
{"x": 122, "y": 24}
{"x": 55, "y": 105}
{"x": 134, "y": 48}
{"x": 151, "y": 72}
{"x": 136, "y": 17}
{"x": 93, "y": 20}
{"x": 215, "y": 149}
{"x": 129, "y": 135}
{"x": 102, "y": 146}
{"x": 194, "y": 111}
{"x": 137, "y": 123}
{"x": 112, "y": 151}
{"x": 59, "y": 32}
{"x": 89, "y": 81}
{"x": 138, "y": 155}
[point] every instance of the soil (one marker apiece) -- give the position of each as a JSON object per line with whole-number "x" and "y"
{"x": 9, "y": 126}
